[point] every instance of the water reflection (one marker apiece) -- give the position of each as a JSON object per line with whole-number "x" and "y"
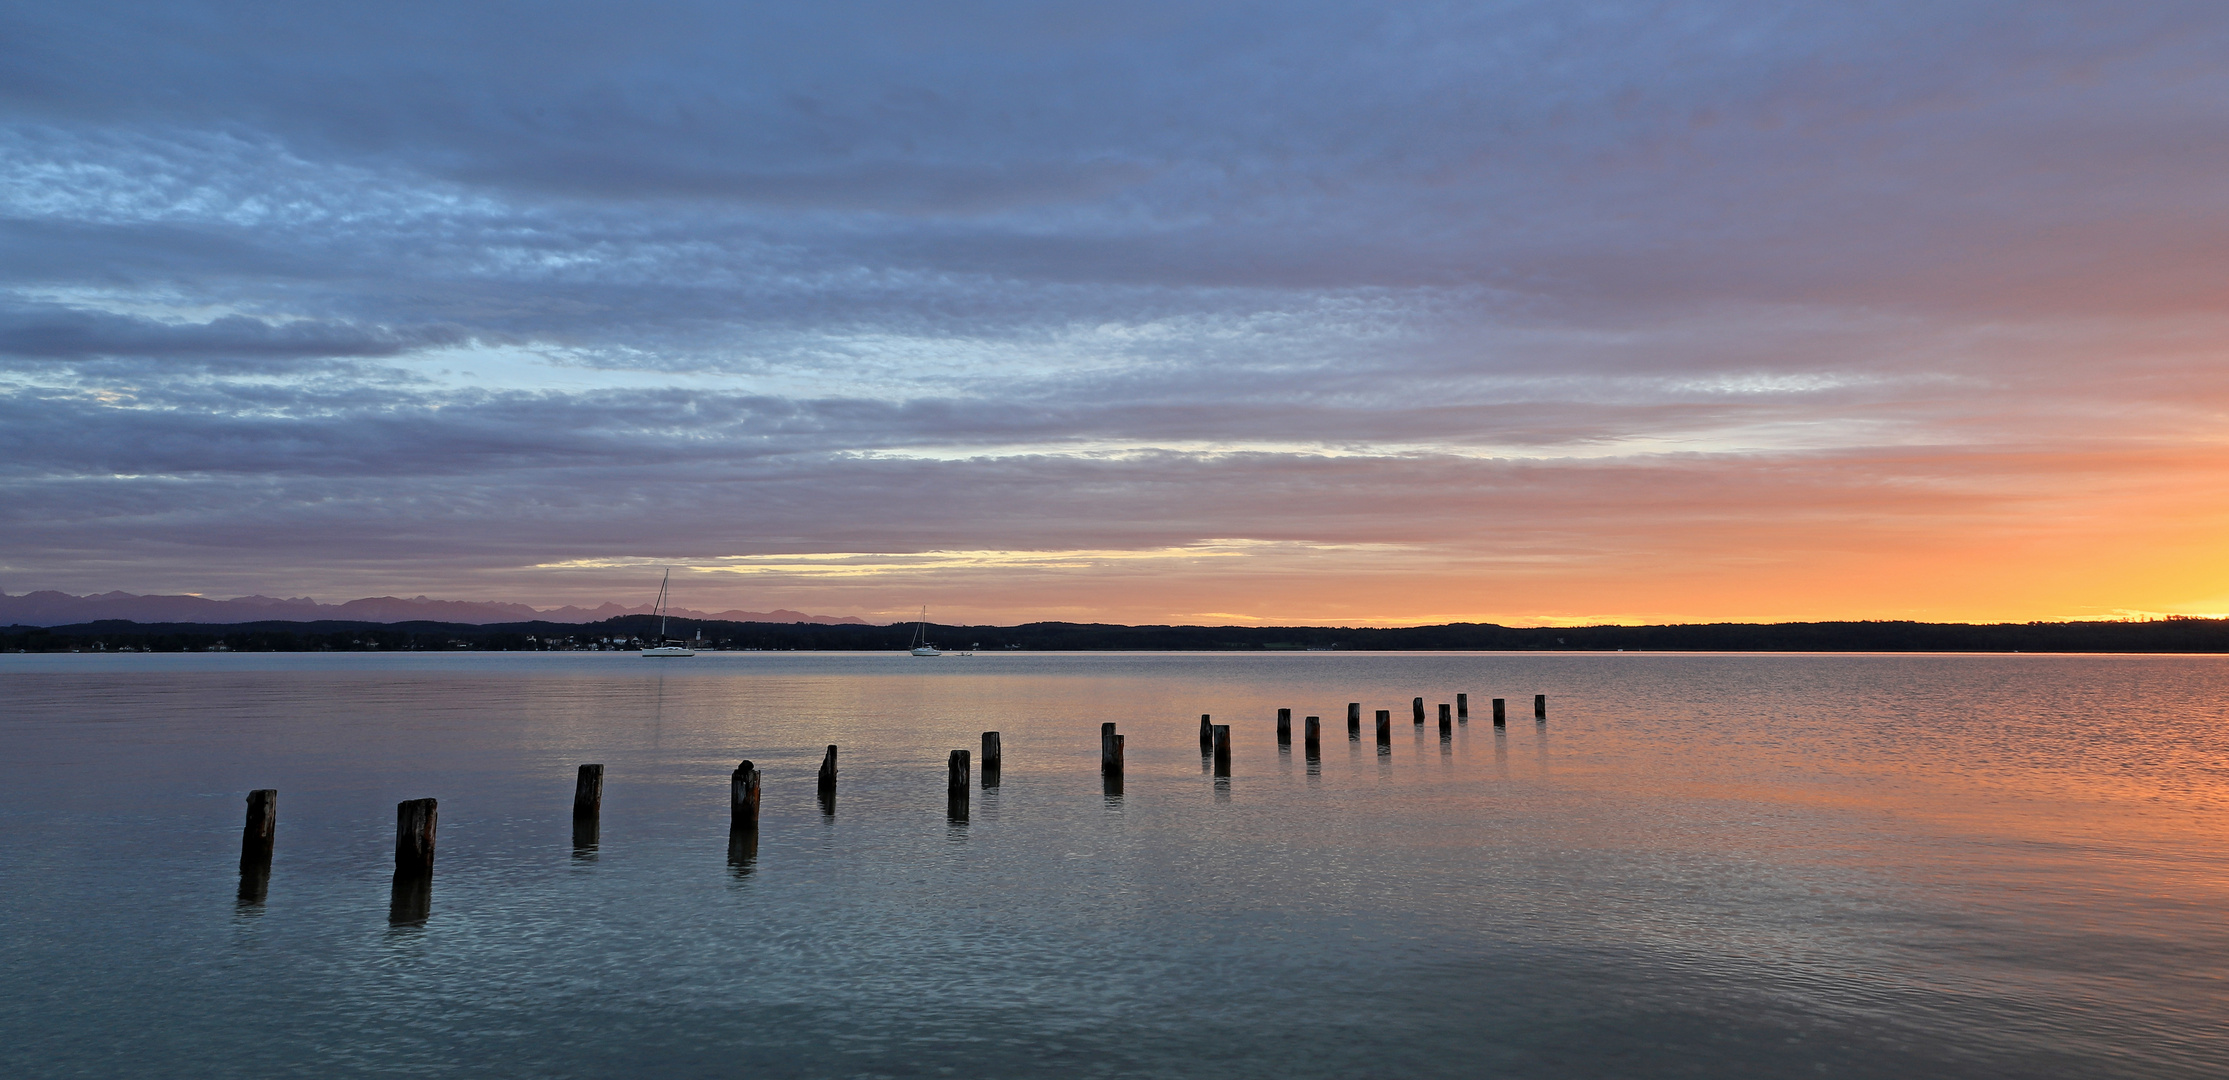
{"x": 585, "y": 835}
{"x": 1970, "y": 886}
{"x": 255, "y": 885}
{"x": 827, "y": 797}
{"x": 742, "y": 849}
{"x": 410, "y": 899}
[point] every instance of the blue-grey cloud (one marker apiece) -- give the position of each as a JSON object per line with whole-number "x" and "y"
{"x": 53, "y": 332}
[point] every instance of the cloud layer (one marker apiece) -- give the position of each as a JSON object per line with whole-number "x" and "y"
{"x": 1294, "y": 312}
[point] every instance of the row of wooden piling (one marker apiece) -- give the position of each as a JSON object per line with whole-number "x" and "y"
{"x": 416, "y": 820}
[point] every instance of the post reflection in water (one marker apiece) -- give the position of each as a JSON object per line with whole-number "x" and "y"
{"x": 410, "y": 899}
{"x": 255, "y": 886}
{"x": 742, "y": 849}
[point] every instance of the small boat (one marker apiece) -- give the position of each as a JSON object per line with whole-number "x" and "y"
{"x": 669, "y": 646}
{"x": 921, "y": 644}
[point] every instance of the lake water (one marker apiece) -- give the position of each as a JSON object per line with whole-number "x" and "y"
{"x": 1846, "y": 866}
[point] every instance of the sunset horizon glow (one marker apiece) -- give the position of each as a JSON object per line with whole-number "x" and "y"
{"x": 1345, "y": 315}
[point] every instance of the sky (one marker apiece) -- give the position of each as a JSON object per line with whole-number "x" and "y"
{"x": 1348, "y": 313}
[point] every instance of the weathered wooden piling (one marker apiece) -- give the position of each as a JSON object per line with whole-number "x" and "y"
{"x": 1284, "y": 727}
{"x": 588, "y": 793}
{"x": 261, "y": 831}
{"x": 955, "y": 785}
{"x": 828, "y": 769}
{"x": 1447, "y": 721}
{"x": 1385, "y": 727}
{"x": 1311, "y": 735}
{"x": 1110, "y": 750}
{"x": 415, "y": 820}
{"x": 1417, "y": 707}
{"x": 1501, "y": 713}
{"x": 1207, "y": 735}
{"x": 743, "y": 797}
{"x": 1354, "y": 720}
{"x": 1222, "y": 749}
{"x": 993, "y": 758}
{"x": 1462, "y": 706}
{"x": 1540, "y": 706}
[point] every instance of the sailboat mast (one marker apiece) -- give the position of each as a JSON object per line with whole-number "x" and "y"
{"x": 662, "y": 583}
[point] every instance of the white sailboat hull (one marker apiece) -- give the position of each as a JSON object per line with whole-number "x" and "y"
{"x": 668, "y": 650}
{"x": 924, "y": 650}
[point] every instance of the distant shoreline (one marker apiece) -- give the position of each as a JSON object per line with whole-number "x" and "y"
{"x": 2172, "y": 635}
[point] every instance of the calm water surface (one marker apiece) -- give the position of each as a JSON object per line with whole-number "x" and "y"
{"x": 1847, "y": 866}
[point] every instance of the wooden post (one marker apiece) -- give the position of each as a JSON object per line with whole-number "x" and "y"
{"x": 1385, "y": 727}
{"x": 414, "y": 828}
{"x": 1284, "y": 727}
{"x": 1501, "y": 714}
{"x": 828, "y": 769}
{"x": 743, "y": 797}
{"x": 1110, "y": 750}
{"x": 1447, "y": 720}
{"x": 1311, "y": 735}
{"x": 260, "y": 832}
{"x": 955, "y": 785}
{"x": 1222, "y": 749}
{"x": 1462, "y": 706}
{"x": 992, "y": 758}
{"x": 957, "y": 772}
{"x": 1417, "y": 707}
{"x": 1207, "y": 735}
{"x": 1540, "y": 706}
{"x": 588, "y": 793}
{"x": 1354, "y": 720}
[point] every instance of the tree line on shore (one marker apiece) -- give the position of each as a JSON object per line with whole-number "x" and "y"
{"x": 2170, "y": 635}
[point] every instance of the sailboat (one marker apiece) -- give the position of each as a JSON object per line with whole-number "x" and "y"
{"x": 921, "y": 645}
{"x": 666, "y": 646}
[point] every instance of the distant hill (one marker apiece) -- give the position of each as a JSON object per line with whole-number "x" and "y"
{"x": 62, "y": 609}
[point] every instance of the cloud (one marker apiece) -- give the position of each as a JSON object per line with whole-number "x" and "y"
{"x": 57, "y": 333}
